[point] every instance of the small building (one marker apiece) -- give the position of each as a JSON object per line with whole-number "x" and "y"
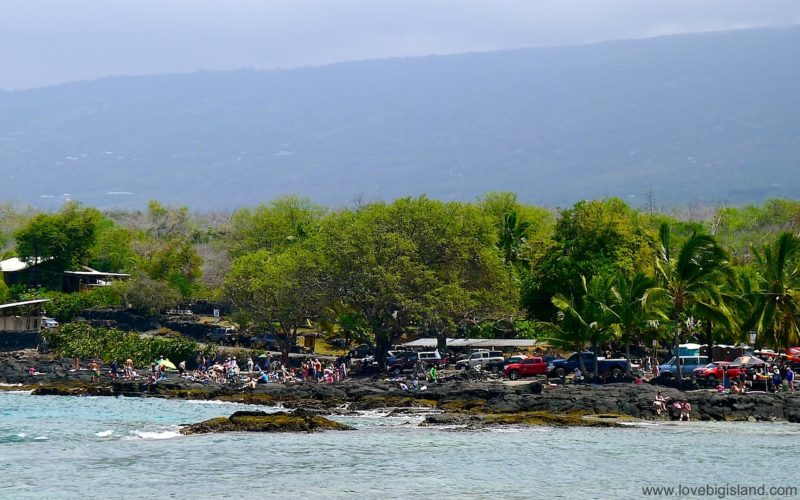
{"x": 25, "y": 317}
{"x": 20, "y": 324}
{"x": 19, "y": 272}
{"x": 87, "y": 278}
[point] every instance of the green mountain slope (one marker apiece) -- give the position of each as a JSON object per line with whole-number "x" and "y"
{"x": 713, "y": 117}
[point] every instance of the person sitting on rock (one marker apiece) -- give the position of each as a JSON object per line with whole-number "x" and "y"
{"x": 660, "y": 403}
{"x": 577, "y": 376}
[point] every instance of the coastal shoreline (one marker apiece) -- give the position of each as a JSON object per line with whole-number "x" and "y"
{"x": 457, "y": 401}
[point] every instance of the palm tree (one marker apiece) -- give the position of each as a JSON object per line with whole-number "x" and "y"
{"x": 512, "y": 237}
{"x": 631, "y": 308}
{"x": 691, "y": 279}
{"x": 582, "y": 321}
{"x": 777, "y": 299}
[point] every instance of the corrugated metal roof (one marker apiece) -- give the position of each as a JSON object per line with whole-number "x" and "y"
{"x": 25, "y": 303}
{"x": 431, "y": 342}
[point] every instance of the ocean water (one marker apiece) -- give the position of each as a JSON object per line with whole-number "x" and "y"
{"x": 65, "y": 447}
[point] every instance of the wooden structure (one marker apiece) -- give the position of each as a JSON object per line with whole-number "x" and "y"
{"x": 22, "y": 317}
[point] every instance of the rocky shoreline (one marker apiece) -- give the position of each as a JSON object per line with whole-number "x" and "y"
{"x": 457, "y": 401}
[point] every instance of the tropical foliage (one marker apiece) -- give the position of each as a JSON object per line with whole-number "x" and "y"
{"x": 600, "y": 274}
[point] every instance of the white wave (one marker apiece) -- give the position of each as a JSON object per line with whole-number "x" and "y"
{"x": 41, "y": 438}
{"x": 105, "y": 433}
{"x": 3, "y": 384}
{"x": 639, "y": 424}
{"x": 21, "y": 435}
{"x": 153, "y": 434}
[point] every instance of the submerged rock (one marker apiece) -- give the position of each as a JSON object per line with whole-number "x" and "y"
{"x": 259, "y": 421}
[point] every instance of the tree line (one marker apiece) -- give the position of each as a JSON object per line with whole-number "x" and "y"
{"x": 599, "y": 273}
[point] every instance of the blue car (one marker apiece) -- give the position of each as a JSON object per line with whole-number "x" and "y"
{"x": 688, "y": 364}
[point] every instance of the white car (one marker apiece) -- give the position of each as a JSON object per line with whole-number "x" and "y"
{"x": 49, "y": 322}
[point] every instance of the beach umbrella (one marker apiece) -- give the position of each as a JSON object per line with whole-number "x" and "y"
{"x": 167, "y": 363}
{"x": 747, "y": 361}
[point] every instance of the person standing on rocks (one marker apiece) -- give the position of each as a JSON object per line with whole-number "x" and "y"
{"x": 95, "y": 373}
{"x": 790, "y": 379}
{"x": 686, "y": 410}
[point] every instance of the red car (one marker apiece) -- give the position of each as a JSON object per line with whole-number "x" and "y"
{"x": 714, "y": 371}
{"x": 525, "y": 368}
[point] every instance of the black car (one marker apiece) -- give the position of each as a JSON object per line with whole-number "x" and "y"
{"x": 362, "y": 351}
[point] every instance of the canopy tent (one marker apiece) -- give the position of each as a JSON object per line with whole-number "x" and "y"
{"x": 166, "y": 362}
{"x": 747, "y": 361}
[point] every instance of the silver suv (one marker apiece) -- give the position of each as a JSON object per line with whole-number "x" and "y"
{"x": 479, "y": 358}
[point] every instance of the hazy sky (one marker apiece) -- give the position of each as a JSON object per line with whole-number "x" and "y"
{"x": 45, "y": 42}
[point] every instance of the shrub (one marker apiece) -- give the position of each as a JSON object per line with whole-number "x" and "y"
{"x": 84, "y": 340}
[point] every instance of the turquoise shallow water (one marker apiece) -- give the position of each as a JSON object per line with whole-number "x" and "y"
{"x": 63, "y": 447}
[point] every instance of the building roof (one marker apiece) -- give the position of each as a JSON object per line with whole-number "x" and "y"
{"x": 96, "y": 274}
{"x": 25, "y": 303}
{"x": 431, "y": 342}
{"x": 12, "y": 265}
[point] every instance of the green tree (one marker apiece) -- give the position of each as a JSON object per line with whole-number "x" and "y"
{"x": 280, "y": 223}
{"x": 164, "y": 250}
{"x": 512, "y": 239}
{"x": 583, "y": 320}
{"x": 592, "y": 238}
{"x": 112, "y": 250}
{"x": 60, "y": 241}
{"x": 416, "y": 263}
{"x": 691, "y": 279}
{"x": 777, "y": 298}
{"x": 285, "y": 290}
{"x": 631, "y": 309}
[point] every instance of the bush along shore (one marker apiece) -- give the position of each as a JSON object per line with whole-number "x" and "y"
{"x": 455, "y": 401}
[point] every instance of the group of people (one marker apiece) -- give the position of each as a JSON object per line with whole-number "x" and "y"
{"x": 779, "y": 377}
{"x": 684, "y": 407}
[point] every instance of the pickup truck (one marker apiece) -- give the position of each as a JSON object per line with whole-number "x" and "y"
{"x": 561, "y": 367}
{"x": 499, "y": 365}
{"x": 479, "y": 358}
{"x": 526, "y": 367}
{"x": 408, "y": 360}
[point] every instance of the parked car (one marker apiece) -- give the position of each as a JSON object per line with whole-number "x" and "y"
{"x": 407, "y": 361}
{"x": 49, "y": 323}
{"x": 433, "y": 358}
{"x": 498, "y": 366}
{"x": 526, "y": 367}
{"x": 688, "y": 364}
{"x": 264, "y": 341}
{"x": 716, "y": 370}
{"x": 361, "y": 351}
{"x": 479, "y": 358}
{"x": 222, "y": 335}
{"x": 561, "y": 367}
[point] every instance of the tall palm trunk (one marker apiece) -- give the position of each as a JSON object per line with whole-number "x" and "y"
{"x": 678, "y": 343}
{"x": 628, "y": 358}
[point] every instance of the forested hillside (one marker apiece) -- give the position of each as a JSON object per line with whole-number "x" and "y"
{"x": 707, "y": 118}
